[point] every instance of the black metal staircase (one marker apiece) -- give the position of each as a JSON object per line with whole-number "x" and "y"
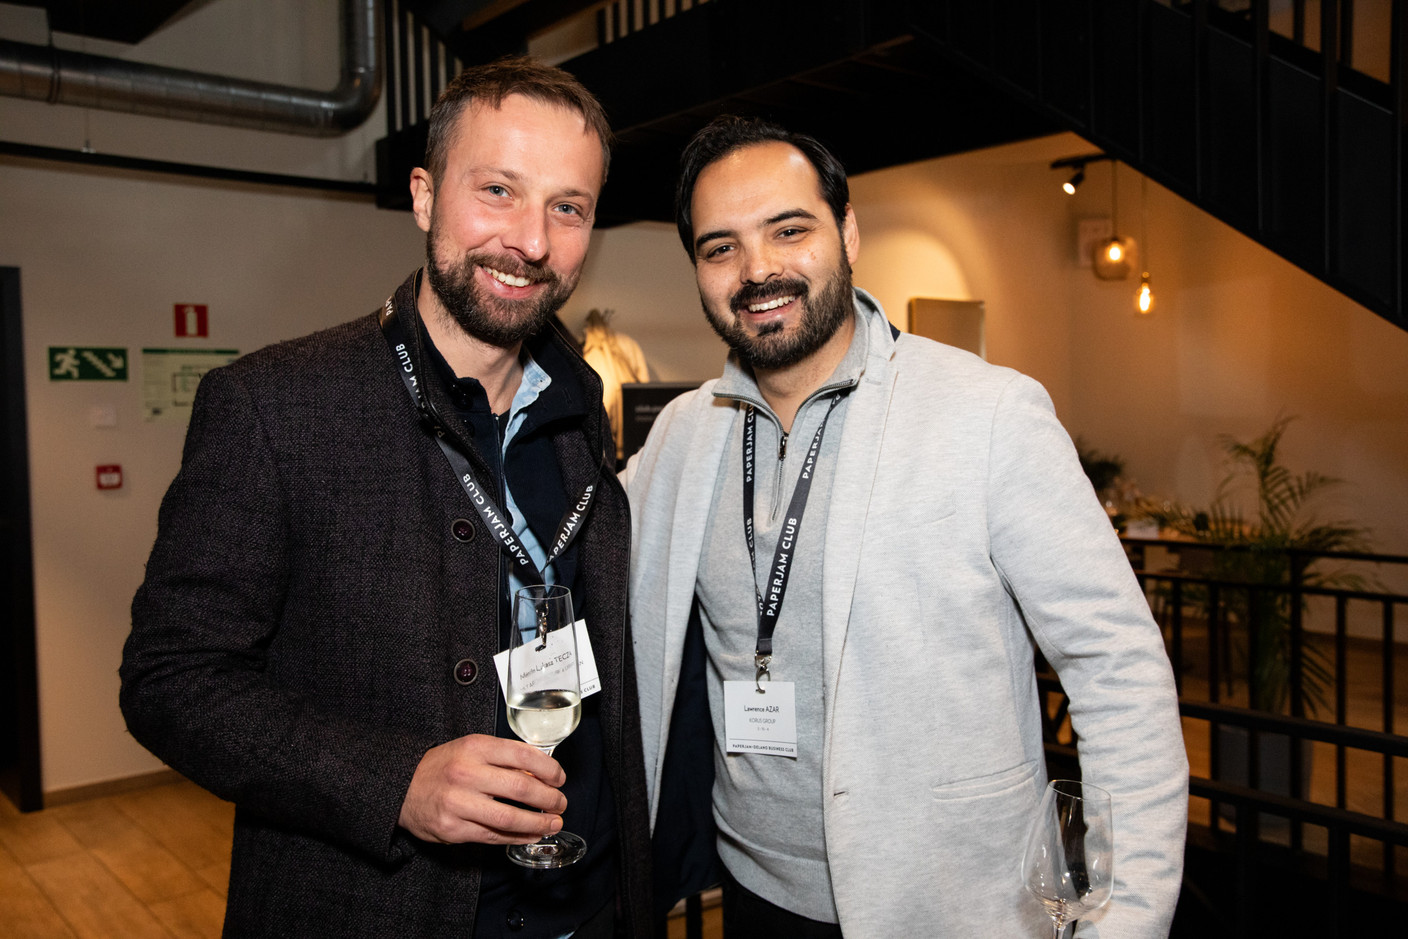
{"x": 1279, "y": 137}
{"x": 1289, "y": 145}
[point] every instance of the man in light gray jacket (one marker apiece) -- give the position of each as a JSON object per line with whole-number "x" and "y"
{"x": 846, "y": 550}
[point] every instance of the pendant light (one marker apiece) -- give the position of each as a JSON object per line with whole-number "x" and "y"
{"x": 1111, "y": 259}
{"x": 1144, "y": 298}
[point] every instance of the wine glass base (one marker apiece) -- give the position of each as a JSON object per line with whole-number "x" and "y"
{"x": 557, "y": 850}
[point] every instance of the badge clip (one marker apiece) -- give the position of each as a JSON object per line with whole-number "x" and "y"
{"x": 761, "y": 663}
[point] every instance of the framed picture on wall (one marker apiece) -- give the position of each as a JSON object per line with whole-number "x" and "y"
{"x": 953, "y": 322}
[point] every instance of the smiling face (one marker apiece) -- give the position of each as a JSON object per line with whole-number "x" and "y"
{"x": 509, "y": 221}
{"x": 774, "y": 271}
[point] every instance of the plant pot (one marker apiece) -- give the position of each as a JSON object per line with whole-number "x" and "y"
{"x": 1233, "y": 748}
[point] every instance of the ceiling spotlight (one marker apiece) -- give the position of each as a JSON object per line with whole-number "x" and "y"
{"x": 1077, "y": 164}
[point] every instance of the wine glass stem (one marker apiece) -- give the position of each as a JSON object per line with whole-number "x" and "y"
{"x": 1058, "y": 928}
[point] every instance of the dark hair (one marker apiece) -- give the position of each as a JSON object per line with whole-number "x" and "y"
{"x": 495, "y": 81}
{"x": 728, "y": 133}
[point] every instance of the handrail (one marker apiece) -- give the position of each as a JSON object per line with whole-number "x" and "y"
{"x": 1303, "y": 727}
{"x": 1310, "y": 813}
{"x": 1177, "y": 543}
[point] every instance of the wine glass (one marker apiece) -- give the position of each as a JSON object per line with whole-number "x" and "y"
{"x": 1069, "y": 861}
{"x": 544, "y": 697}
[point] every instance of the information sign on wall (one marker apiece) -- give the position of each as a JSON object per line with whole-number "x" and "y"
{"x": 170, "y": 378}
{"x": 87, "y": 363}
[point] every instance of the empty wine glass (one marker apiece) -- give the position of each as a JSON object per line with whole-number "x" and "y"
{"x": 1069, "y": 860}
{"x": 544, "y": 698}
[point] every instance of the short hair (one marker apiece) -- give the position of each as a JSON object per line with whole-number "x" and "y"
{"x": 492, "y": 83}
{"x": 728, "y": 133}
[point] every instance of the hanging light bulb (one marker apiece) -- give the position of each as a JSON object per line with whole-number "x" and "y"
{"x": 1144, "y": 299}
{"x": 1114, "y": 251}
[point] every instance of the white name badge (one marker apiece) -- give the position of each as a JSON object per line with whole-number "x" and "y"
{"x": 586, "y": 663}
{"x": 761, "y": 723}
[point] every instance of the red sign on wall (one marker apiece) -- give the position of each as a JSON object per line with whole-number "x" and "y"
{"x": 110, "y": 476}
{"x": 192, "y": 320}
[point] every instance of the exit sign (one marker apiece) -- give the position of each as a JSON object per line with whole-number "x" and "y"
{"x": 87, "y": 363}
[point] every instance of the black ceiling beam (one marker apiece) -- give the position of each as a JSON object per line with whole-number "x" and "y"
{"x": 849, "y": 72}
{"x": 128, "y": 21}
{"x": 901, "y": 102}
{"x": 475, "y": 33}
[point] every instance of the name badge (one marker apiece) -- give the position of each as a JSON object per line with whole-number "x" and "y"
{"x": 586, "y": 663}
{"x": 761, "y": 723}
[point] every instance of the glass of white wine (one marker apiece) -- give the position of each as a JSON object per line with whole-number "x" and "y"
{"x": 1069, "y": 860}
{"x": 544, "y": 698}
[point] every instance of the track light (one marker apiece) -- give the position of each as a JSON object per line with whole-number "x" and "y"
{"x": 1077, "y": 166}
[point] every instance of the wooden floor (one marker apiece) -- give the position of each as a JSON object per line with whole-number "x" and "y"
{"x": 149, "y": 863}
{"x": 713, "y": 918}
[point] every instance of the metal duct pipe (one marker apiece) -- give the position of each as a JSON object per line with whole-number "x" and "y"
{"x": 58, "y": 76}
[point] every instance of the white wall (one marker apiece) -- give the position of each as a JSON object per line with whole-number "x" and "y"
{"x": 984, "y": 227}
{"x": 641, "y": 272}
{"x": 103, "y": 258}
{"x": 289, "y": 42}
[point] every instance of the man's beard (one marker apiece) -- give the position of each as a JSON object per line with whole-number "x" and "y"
{"x": 491, "y": 319}
{"x": 772, "y": 347}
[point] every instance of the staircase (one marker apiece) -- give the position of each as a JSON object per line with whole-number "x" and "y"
{"x": 1271, "y": 130}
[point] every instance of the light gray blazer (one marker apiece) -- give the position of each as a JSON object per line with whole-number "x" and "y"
{"x": 962, "y": 530}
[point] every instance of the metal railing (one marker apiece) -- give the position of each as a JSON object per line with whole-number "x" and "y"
{"x": 1309, "y": 787}
{"x": 618, "y": 18}
{"x": 418, "y": 66}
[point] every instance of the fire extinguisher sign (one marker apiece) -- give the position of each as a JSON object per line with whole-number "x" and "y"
{"x": 192, "y": 319}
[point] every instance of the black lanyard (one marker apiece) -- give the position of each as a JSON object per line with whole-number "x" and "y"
{"x": 770, "y": 606}
{"x": 495, "y": 518}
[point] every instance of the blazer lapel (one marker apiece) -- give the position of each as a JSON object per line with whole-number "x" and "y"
{"x": 693, "y": 501}
{"x": 851, "y": 492}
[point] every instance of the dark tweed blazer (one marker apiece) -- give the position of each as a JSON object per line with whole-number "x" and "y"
{"x": 294, "y": 643}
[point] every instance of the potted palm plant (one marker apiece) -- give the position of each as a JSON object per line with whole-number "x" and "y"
{"x": 1105, "y": 472}
{"x": 1256, "y": 556}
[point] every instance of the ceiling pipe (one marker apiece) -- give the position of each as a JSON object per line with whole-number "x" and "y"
{"x": 60, "y": 76}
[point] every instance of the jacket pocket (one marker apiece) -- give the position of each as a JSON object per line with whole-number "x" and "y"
{"x": 979, "y": 787}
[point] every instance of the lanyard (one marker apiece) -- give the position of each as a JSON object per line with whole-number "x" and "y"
{"x": 770, "y": 606}
{"x": 495, "y": 518}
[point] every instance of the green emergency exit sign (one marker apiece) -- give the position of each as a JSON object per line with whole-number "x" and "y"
{"x": 87, "y": 363}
